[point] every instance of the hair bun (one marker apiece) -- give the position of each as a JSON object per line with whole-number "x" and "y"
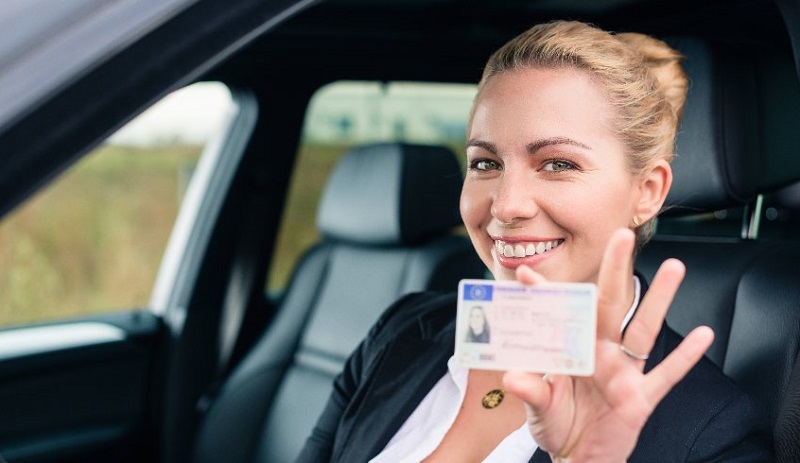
{"x": 664, "y": 62}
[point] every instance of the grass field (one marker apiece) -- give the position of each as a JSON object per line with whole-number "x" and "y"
{"x": 93, "y": 240}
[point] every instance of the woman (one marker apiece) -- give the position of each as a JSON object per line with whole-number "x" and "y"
{"x": 568, "y": 152}
{"x": 478, "y": 329}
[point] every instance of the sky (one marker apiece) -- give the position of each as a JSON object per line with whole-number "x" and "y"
{"x": 190, "y": 114}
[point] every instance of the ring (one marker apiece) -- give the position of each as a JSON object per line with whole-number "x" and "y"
{"x": 633, "y": 354}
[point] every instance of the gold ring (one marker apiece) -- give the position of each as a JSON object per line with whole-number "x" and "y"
{"x": 633, "y": 354}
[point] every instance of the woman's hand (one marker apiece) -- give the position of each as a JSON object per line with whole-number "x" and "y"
{"x": 598, "y": 418}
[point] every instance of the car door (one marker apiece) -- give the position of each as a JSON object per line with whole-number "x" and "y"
{"x": 85, "y": 377}
{"x": 81, "y": 352}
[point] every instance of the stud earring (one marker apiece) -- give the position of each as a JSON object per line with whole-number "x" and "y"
{"x": 637, "y": 220}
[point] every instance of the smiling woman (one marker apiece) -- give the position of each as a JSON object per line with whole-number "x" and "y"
{"x": 212, "y": 369}
{"x": 568, "y": 152}
{"x": 535, "y": 157}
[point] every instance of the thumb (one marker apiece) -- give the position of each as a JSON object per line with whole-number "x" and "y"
{"x": 534, "y": 389}
{"x": 528, "y": 276}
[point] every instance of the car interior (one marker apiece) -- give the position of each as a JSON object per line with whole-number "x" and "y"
{"x": 761, "y": 364}
{"x": 221, "y": 366}
{"x": 387, "y": 232}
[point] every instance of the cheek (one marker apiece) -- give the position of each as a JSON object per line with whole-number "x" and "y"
{"x": 473, "y": 205}
{"x": 475, "y": 208}
{"x": 599, "y": 207}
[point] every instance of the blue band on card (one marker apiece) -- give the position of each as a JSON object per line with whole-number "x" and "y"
{"x": 477, "y": 292}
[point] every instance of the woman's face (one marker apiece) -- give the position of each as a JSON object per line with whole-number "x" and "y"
{"x": 476, "y": 321}
{"x": 547, "y": 180}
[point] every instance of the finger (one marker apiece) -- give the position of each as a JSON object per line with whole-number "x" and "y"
{"x": 663, "y": 377}
{"x": 613, "y": 284}
{"x": 532, "y": 388}
{"x": 643, "y": 329}
{"x": 528, "y": 276}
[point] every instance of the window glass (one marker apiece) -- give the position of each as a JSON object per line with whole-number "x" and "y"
{"x": 92, "y": 240}
{"x": 346, "y": 114}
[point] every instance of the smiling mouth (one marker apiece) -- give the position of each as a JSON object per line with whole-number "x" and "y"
{"x": 526, "y": 249}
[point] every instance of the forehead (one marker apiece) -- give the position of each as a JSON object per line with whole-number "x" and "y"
{"x": 542, "y": 102}
{"x": 557, "y": 86}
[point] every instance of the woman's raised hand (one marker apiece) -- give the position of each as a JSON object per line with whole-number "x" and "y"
{"x": 598, "y": 418}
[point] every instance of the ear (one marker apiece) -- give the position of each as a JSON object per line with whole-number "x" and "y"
{"x": 654, "y": 184}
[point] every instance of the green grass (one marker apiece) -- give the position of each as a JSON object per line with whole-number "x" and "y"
{"x": 93, "y": 240}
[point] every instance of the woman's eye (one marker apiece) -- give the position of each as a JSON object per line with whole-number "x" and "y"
{"x": 483, "y": 164}
{"x": 558, "y": 165}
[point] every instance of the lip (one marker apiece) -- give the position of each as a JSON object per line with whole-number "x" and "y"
{"x": 531, "y": 261}
{"x": 518, "y": 239}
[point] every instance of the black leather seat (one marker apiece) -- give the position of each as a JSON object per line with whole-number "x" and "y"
{"x": 387, "y": 216}
{"x": 734, "y": 144}
{"x": 781, "y": 219}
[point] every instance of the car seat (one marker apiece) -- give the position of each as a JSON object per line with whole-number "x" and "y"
{"x": 781, "y": 217}
{"x": 387, "y": 217}
{"x": 734, "y": 144}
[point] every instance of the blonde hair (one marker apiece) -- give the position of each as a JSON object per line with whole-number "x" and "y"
{"x": 641, "y": 76}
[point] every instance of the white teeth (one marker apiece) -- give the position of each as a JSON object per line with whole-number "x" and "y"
{"x": 522, "y": 250}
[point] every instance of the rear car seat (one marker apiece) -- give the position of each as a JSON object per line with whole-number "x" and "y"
{"x": 387, "y": 216}
{"x": 735, "y": 143}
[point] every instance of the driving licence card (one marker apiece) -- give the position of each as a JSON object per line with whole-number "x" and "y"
{"x": 544, "y": 328}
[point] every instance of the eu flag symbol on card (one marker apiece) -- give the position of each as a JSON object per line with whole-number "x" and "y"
{"x": 474, "y": 292}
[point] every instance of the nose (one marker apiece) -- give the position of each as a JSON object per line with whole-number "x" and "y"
{"x": 514, "y": 200}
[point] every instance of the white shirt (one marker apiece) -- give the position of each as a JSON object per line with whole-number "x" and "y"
{"x": 424, "y": 430}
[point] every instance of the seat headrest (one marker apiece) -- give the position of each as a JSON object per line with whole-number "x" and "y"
{"x": 713, "y": 165}
{"x": 779, "y": 93}
{"x": 734, "y": 140}
{"x": 390, "y": 194}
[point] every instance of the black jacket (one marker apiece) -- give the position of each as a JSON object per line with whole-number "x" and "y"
{"x": 704, "y": 418}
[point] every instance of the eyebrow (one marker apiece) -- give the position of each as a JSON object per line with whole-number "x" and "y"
{"x": 539, "y": 144}
{"x": 532, "y": 147}
{"x": 482, "y": 144}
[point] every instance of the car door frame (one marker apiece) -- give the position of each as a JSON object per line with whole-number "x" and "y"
{"x": 148, "y": 343}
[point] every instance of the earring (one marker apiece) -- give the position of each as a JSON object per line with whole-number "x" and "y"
{"x": 637, "y": 220}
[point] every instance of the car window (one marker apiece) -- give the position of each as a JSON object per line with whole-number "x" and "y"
{"x": 342, "y": 115}
{"x": 92, "y": 240}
